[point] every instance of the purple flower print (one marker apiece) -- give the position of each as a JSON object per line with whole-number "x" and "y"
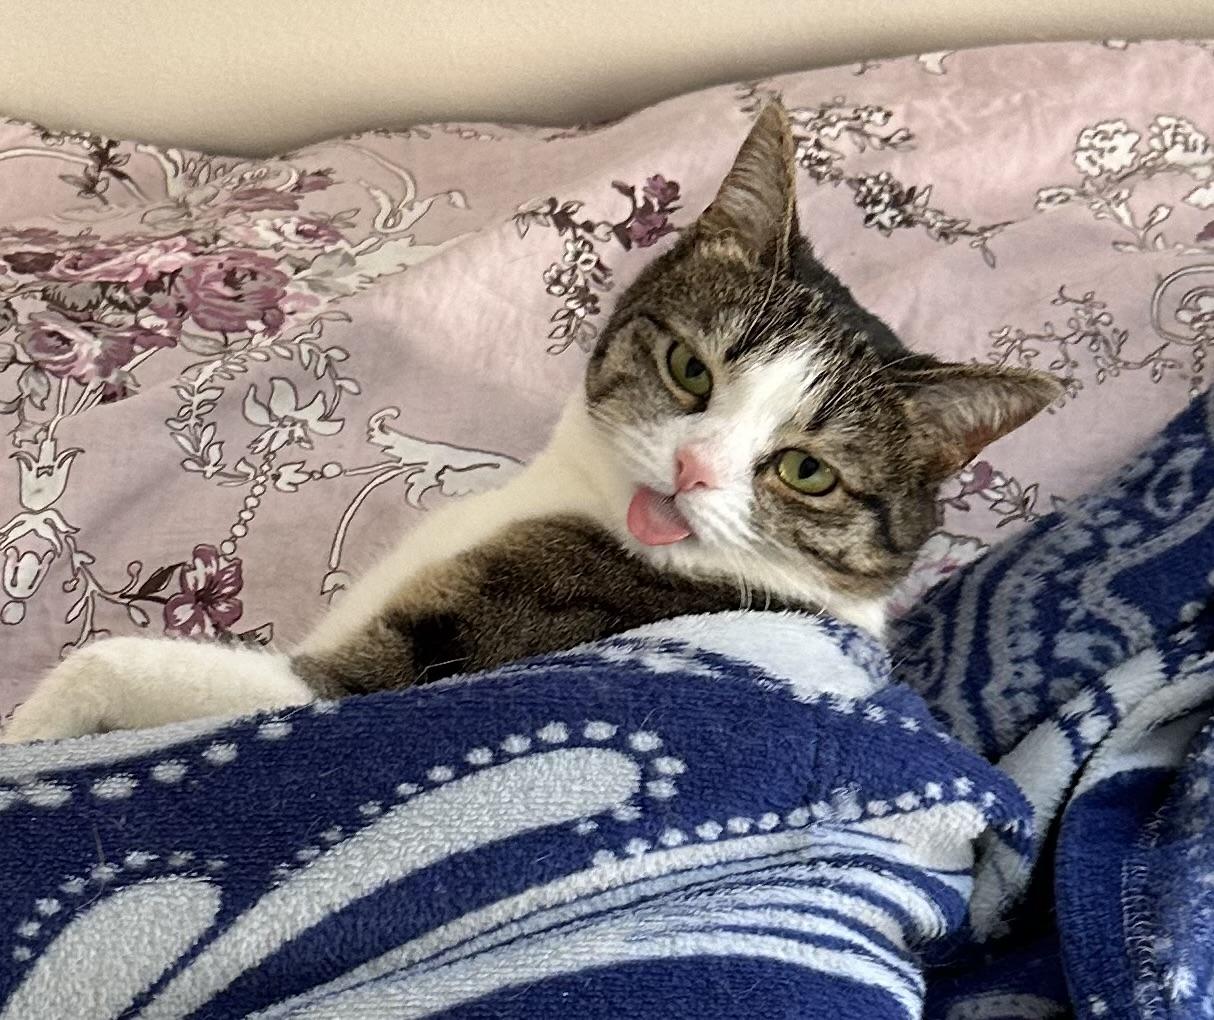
{"x": 662, "y": 191}
{"x": 977, "y": 477}
{"x": 85, "y": 351}
{"x": 31, "y": 261}
{"x": 261, "y": 200}
{"x": 648, "y": 228}
{"x": 317, "y": 180}
{"x": 258, "y": 199}
{"x": 581, "y": 271}
{"x": 134, "y": 264}
{"x": 297, "y": 231}
{"x": 226, "y": 292}
{"x": 207, "y": 604}
{"x": 34, "y": 237}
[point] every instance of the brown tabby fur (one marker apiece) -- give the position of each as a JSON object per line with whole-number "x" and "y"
{"x": 538, "y": 587}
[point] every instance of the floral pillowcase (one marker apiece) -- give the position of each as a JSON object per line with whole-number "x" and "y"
{"x": 226, "y": 384}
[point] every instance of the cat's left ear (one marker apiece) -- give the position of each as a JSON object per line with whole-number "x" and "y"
{"x": 756, "y": 205}
{"x": 956, "y": 410}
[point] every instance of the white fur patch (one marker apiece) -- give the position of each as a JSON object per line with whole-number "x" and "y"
{"x": 134, "y": 683}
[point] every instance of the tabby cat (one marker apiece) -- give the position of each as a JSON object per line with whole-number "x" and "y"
{"x": 746, "y": 433}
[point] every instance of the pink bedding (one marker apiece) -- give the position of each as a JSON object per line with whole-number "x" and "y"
{"x": 227, "y": 384}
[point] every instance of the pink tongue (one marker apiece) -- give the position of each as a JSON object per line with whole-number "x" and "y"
{"x": 654, "y": 519}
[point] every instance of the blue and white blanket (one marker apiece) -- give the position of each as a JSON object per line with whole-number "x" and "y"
{"x": 731, "y": 816}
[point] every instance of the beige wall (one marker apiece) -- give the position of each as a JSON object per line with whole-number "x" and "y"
{"x": 264, "y": 75}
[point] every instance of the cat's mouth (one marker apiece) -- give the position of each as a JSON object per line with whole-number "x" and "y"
{"x": 653, "y": 518}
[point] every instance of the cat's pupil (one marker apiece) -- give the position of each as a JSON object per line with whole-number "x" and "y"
{"x": 695, "y": 368}
{"x": 808, "y": 468}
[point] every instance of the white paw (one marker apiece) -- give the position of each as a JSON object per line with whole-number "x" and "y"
{"x": 70, "y": 701}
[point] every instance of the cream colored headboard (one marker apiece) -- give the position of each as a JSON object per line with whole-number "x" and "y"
{"x": 255, "y": 76}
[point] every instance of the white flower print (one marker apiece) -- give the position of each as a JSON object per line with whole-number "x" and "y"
{"x": 23, "y": 571}
{"x": 1106, "y": 148}
{"x": 885, "y": 203}
{"x": 933, "y": 63}
{"x": 44, "y": 477}
{"x": 1201, "y": 198}
{"x": 1181, "y": 145}
{"x": 1051, "y": 198}
{"x": 289, "y": 477}
{"x": 285, "y": 421}
{"x": 941, "y": 555}
{"x": 1197, "y": 311}
{"x": 823, "y": 136}
{"x": 1114, "y": 166}
{"x": 580, "y": 254}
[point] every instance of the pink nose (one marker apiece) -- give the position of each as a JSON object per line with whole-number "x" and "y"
{"x": 692, "y": 470}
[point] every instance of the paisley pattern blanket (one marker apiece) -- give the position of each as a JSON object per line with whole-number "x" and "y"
{"x": 1080, "y": 659}
{"x": 735, "y": 815}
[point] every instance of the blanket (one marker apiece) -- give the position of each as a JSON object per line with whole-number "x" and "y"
{"x": 736, "y": 815}
{"x": 1080, "y": 659}
{"x": 706, "y": 817}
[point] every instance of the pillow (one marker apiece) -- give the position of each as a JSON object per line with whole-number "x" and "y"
{"x": 226, "y": 385}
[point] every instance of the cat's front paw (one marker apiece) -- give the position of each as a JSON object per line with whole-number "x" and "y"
{"x": 70, "y": 701}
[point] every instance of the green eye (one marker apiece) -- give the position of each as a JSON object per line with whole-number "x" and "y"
{"x": 688, "y": 371}
{"x": 806, "y": 474}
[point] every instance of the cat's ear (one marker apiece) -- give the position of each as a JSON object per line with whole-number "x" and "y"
{"x": 756, "y": 205}
{"x": 956, "y": 410}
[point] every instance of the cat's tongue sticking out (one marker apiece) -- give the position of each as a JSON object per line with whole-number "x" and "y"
{"x": 653, "y": 518}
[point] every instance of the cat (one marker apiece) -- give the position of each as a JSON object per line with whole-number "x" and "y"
{"x": 746, "y": 433}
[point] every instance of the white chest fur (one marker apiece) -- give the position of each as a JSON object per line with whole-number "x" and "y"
{"x": 572, "y": 475}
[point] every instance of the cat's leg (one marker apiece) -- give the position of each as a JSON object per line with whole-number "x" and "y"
{"x": 408, "y": 644}
{"x": 132, "y": 682}
{"x": 422, "y": 630}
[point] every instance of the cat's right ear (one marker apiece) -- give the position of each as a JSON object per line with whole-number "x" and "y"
{"x": 756, "y": 206}
{"x": 956, "y": 410}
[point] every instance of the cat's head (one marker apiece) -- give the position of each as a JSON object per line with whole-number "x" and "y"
{"x": 768, "y": 429}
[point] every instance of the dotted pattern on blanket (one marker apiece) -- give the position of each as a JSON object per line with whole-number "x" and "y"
{"x": 51, "y": 913}
{"x": 842, "y": 809}
{"x": 49, "y": 794}
{"x": 641, "y": 744}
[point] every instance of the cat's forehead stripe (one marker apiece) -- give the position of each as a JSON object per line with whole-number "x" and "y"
{"x": 781, "y": 320}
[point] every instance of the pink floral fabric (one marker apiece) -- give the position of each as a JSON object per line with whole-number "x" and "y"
{"x": 227, "y": 384}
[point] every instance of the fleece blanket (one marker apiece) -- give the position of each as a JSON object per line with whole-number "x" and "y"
{"x": 1080, "y": 659}
{"x": 712, "y": 817}
{"x": 737, "y": 815}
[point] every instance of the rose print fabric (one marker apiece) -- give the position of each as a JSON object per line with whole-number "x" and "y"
{"x": 227, "y": 384}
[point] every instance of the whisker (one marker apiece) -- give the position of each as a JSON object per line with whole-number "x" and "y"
{"x": 835, "y": 402}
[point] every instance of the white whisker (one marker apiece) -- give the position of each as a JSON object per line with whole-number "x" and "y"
{"x": 854, "y": 385}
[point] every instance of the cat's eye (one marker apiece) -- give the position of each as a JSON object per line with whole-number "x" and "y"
{"x": 689, "y": 372}
{"x": 798, "y": 470}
